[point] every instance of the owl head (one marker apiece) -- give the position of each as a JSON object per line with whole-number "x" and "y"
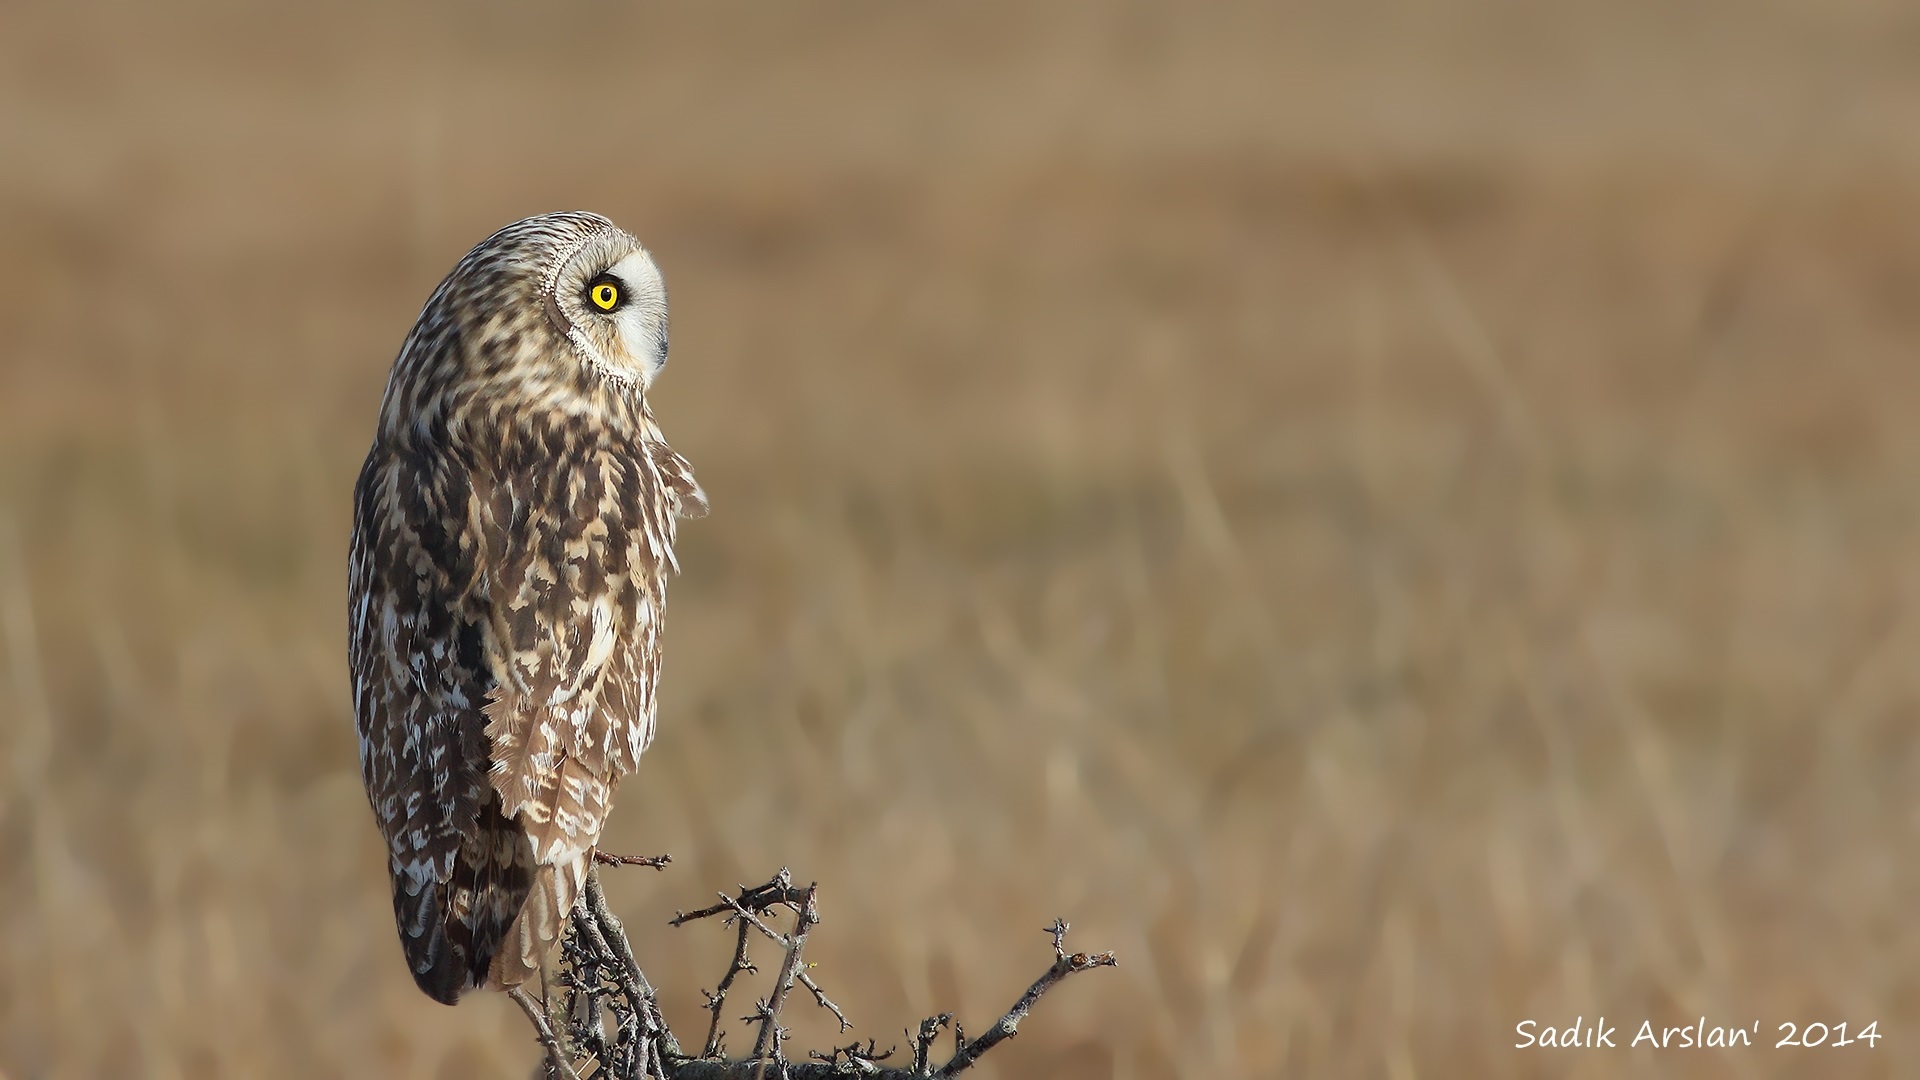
{"x": 557, "y": 313}
{"x": 602, "y": 292}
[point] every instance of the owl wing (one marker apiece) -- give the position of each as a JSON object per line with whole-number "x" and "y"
{"x": 576, "y": 555}
{"x": 682, "y": 492}
{"x": 460, "y": 867}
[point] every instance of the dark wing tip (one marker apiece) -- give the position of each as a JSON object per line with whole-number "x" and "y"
{"x": 443, "y": 983}
{"x": 439, "y": 968}
{"x": 450, "y": 929}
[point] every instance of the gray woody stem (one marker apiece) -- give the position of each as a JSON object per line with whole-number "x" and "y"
{"x": 646, "y": 1047}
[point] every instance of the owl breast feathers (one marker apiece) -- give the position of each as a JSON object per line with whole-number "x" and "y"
{"x": 513, "y": 530}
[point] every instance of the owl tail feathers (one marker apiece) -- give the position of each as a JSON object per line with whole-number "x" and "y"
{"x": 541, "y": 924}
{"x": 451, "y": 928}
{"x": 447, "y": 955}
{"x": 438, "y": 968}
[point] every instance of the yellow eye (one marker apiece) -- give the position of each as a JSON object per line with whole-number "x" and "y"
{"x": 605, "y": 295}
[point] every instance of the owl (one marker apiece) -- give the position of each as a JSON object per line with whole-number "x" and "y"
{"x": 513, "y": 531}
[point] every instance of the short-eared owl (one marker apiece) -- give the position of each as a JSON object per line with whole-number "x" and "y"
{"x": 513, "y": 530}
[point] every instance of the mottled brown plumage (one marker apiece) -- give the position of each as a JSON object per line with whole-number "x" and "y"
{"x": 513, "y": 531}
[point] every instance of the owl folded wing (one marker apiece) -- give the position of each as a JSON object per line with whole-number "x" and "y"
{"x": 417, "y": 667}
{"x": 573, "y": 643}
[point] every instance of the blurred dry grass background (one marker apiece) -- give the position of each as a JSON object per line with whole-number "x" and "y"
{"x": 1398, "y": 518}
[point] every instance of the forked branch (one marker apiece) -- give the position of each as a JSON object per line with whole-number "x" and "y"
{"x": 605, "y": 987}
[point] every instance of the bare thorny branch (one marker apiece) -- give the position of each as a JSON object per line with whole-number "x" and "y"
{"x": 605, "y": 988}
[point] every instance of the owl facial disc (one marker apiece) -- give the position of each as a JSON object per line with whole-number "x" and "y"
{"x": 607, "y": 297}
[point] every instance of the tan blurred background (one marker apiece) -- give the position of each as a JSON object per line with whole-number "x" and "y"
{"x": 1398, "y": 518}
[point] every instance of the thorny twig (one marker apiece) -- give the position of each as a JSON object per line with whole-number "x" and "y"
{"x": 586, "y": 1022}
{"x": 1064, "y": 964}
{"x": 749, "y": 919}
{"x": 602, "y": 977}
{"x": 770, "y": 1031}
{"x": 746, "y": 910}
{"x": 923, "y": 1042}
{"x": 658, "y": 862}
{"x": 633, "y": 980}
{"x": 718, "y": 997}
{"x": 557, "y": 1063}
{"x": 820, "y": 998}
{"x": 855, "y": 1058}
{"x": 778, "y": 891}
{"x": 596, "y": 964}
